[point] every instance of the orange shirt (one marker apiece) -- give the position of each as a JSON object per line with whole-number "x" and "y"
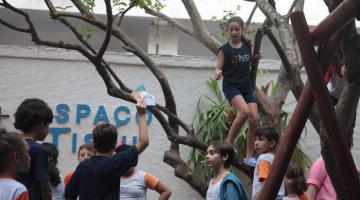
{"x": 67, "y": 178}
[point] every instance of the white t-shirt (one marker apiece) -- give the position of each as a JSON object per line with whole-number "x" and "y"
{"x": 213, "y": 192}
{"x": 335, "y": 85}
{"x": 135, "y": 186}
{"x": 58, "y": 191}
{"x": 261, "y": 172}
{"x": 10, "y": 189}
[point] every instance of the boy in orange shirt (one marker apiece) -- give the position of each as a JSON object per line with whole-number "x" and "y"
{"x": 266, "y": 140}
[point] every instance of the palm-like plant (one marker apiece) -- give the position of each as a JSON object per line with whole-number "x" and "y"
{"x": 212, "y": 122}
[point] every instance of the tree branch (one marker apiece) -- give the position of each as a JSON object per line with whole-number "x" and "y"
{"x": 16, "y": 28}
{"x": 200, "y": 31}
{"x": 248, "y": 21}
{"x": 106, "y": 42}
{"x": 294, "y": 3}
{"x": 170, "y": 20}
{"x": 132, "y": 4}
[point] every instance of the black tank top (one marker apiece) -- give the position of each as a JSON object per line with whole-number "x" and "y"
{"x": 236, "y": 67}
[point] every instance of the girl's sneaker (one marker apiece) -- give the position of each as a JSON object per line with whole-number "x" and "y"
{"x": 250, "y": 161}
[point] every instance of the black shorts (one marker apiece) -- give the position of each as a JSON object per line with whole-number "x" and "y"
{"x": 232, "y": 91}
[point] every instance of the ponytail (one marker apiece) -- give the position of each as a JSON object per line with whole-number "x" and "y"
{"x": 52, "y": 154}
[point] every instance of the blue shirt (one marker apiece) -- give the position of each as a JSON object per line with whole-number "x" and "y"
{"x": 236, "y": 67}
{"x": 99, "y": 177}
{"x": 38, "y": 170}
{"x": 232, "y": 189}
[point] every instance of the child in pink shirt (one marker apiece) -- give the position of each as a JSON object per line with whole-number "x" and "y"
{"x": 319, "y": 183}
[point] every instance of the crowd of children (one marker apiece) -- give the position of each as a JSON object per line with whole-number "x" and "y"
{"x": 106, "y": 171}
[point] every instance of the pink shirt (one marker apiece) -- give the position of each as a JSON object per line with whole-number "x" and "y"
{"x": 320, "y": 178}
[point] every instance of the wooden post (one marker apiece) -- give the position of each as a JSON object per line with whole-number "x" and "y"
{"x": 339, "y": 147}
{"x": 336, "y": 20}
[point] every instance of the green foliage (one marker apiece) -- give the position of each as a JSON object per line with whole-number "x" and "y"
{"x": 90, "y": 4}
{"x": 154, "y": 4}
{"x": 222, "y": 21}
{"x": 120, "y": 5}
{"x": 87, "y": 31}
{"x": 211, "y": 122}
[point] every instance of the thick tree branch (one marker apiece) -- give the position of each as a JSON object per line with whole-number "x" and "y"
{"x": 200, "y": 31}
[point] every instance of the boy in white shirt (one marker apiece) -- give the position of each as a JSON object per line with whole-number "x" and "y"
{"x": 266, "y": 140}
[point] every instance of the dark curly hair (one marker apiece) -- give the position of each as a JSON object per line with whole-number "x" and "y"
{"x": 104, "y": 137}
{"x": 32, "y": 112}
{"x": 52, "y": 154}
{"x": 10, "y": 142}
{"x": 224, "y": 148}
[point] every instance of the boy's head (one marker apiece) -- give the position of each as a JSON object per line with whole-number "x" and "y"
{"x": 104, "y": 137}
{"x": 85, "y": 152}
{"x": 33, "y": 115}
{"x": 266, "y": 140}
{"x": 14, "y": 152}
{"x": 220, "y": 153}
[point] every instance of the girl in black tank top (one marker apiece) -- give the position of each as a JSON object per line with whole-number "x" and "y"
{"x": 233, "y": 64}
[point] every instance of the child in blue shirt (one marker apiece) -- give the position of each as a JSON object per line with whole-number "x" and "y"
{"x": 99, "y": 176}
{"x": 225, "y": 185}
{"x": 33, "y": 117}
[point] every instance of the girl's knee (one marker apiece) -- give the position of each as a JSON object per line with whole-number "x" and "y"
{"x": 244, "y": 113}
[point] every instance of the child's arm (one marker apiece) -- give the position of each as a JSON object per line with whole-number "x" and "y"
{"x": 163, "y": 190}
{"x": 311, "y": 192}
{"x": 143, "y": 137}
{"x": 155, "y": 184}
{"x": 219, "y": 64}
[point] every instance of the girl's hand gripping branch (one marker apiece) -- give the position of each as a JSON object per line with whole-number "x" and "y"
{"x": 258, "y": 55}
